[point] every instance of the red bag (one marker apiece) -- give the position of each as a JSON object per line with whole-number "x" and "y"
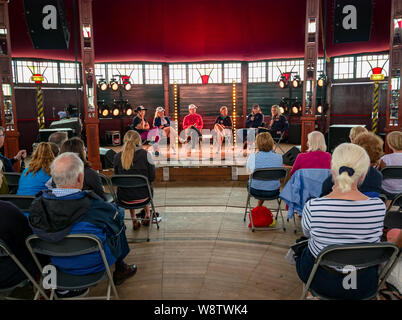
{"x": 262, "y": 217}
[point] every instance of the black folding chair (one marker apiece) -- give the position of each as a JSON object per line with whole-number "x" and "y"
{"x": 5, "y": 251}
{"x": 21, "y": 202}
{"x": 393, "y": 217}
{"x": 392, "y": 173}
{"x": 106, "y": 182}
{"x": 358, "y": 256}
{"x": 135, "y": 181}
{"x": 12, "y": 181}
{"x": 73, "y": 245}
{"x": 266, "y": 174}
{"x": 277, "y": 142}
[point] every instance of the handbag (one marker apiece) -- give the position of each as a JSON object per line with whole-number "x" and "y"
{"x": 262, "y": 217}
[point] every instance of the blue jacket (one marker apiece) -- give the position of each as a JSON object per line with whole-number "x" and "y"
{"x": 7, "y": 163}
{"x": 52, "y": 218}
{"x": 158, "y": 122}
{"x": 304, "y": 185}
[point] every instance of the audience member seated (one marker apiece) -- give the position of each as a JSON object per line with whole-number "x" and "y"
{"x": 395, "y": 278}
{"x": 134, "y": 160}
{"x": 14, "y": 229}
{"x": 163, "y": 123}
{"x": 58, "y": 138}
{"x": 371, "y": 185}
{"x": 355, "y": 131}
{"x": 8, "y": 163}
{"x": 223, "y": 125}
{"x": 3, "y": 181}
{"x": 55, "y": 149}
{"x": 35, "y": 177}
{"x": 345, "y": 216}
{"x": 253, "y": 121}
{"x": 264, "y": 158}
{"x": 141, "y": 125}
{"x": 192, "y": 126}
{"x": 316, "y": 156}
{"x": 391, "y": 187}
{"x": 278, "y": 124}
{"x": 92, "y": 181}
{"x": 68, "y": 210}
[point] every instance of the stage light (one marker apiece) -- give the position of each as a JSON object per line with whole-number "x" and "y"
{"x": 116, "y": 110}
{"x": 282, "y": 110}
{"x": 113, "y": 84}
{"x": 284, "y": 80}
{"x": 128, "y": 110}
{"x": 102, "y": 85}
{"x": 322, "y": 80}
{"x": 296, "y": 81}
{"x": 105, "y": 111}
{"x": 126, "y": 82}
{"x": 319, "y": 109}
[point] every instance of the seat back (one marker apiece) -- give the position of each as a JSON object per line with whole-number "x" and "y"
{"x": 106, "y": 182}
{"x": 21, "y": 202}
{"x": 130, "y": 181}
{"x": 269, "y": 174}
{"x": 4, "y": 249}
{"x": 12, "y": 178}
{"x": 71, "y": 245}
{"x": 392, "y": 172}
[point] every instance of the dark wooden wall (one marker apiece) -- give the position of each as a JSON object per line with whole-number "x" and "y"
{"x": 353, "y": 104}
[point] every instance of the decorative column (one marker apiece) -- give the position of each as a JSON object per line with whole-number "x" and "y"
{"x": 165, "y": 80}
{"x": 394, "y": 103}
{"x": 7, "y": 94}
{"x": 310, "y": 70}
{"x": 89, "y": 83}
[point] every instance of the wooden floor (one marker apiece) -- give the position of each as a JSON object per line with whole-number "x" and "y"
{"x": 204, "y": 250}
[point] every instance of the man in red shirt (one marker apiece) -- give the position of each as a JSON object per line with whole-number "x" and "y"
{"x": 192, "y": 124}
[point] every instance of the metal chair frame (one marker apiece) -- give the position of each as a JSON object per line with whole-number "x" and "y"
{"x": 106, "y": 181}
{"x": 98, "y": 246}
{"x": 282, "y": 173}
{"x": 13, "y": 198}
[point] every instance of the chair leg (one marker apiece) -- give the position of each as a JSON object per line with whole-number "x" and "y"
{"x": 280, "y": 210}
{"x": 247, "y": 204}
{"x": 294, "y": 220}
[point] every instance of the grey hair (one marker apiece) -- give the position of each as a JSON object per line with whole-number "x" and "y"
{"x": 66, "y": 168}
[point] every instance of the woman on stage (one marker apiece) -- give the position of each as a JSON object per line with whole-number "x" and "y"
{"x": 223, "y": 125}
{"x": 253, "y": 122}
{"x": 163, "y": 123}
{"x": 141, "y": 125}
{"x": 278, "y": 123}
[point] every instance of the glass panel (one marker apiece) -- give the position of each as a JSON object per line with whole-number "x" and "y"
{"x": 211, "y": 73}
{"x": 8, "y": 106}
{"x": 27, "y": 68}
{"x": 153, "y": 73}
{"x": 69, "y": 73}
{"x": 132, "y": 70}
{"x": 394, "y": 106}
{"x": 343, "y": 68}
{"x": 232, "y": 72}
{"x": 177, "y": 73}
{"x": 257, "y": 72}
{"x": 309, "y": 97}
{"x": 365, "y": 64}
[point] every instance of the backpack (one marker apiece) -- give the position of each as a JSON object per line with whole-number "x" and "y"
{"x": 262, "y": 217}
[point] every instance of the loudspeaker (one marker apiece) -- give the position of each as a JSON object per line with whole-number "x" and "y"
{"x": 294, "y": 133}
{"x": 290, "y": 156}
{"x": 107, "y": 157}
{"x": 47, "y": 24}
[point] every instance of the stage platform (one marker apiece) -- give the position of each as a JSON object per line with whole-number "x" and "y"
{"x": 202, "y": 165}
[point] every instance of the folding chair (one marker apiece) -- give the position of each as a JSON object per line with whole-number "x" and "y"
{"x": 21, "y": 202}
{"x": 5, "y": 251}
{"x": 73, "y": 245}
{"x": 277, "y": 142}
{"x": 134, "y": 181}
{"x": 266, "y": 174}
{"x": 12, "y": 180}
{"x": 392, "y": 172}
{"x": 106, "y": 182}
{"x": 359, "y": 256}
{"x": 393, "y": 217}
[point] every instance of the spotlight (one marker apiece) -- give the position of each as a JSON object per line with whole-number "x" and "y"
{"x": 116, "y": 110}
{"x": 322, "y": 80}
{"x": 296, "y": 108}
{"x": 105, "y": 112}
{"x": 283, "y": 82}
{"x": 296, "y": 81}
{"x": 128, "y": 110}
{"x": 282, "y": 110}
{"x": 113, "y": 84}
{"x": 102, "y": 85}
{"x": 319, "y": 109}
{"x": 126, "y": 82}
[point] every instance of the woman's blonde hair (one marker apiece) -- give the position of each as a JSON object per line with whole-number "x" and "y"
{"x": 355, "y": 131}
{"x": 41, "y": 159}
{"x": 131, "y": 140}
{"x": 394, "y": 140}
{"x": 278, "y": 110}
{"x": 316, "y": 141}
{"x": 373, "y": 145}
{"x": 223, "y": 107}
{"x": 349, "y": 165}
{"x": 156, "y": 113}
{"x": 264, "y": 142}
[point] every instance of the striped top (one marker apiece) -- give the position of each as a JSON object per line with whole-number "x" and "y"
{"x": 334, "y": 221}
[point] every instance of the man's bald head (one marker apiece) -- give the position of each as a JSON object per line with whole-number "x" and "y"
{"x": 67, "y": 171}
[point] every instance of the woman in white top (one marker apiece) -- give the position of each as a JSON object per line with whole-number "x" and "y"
{"x": 392, "y": 187}
{"x": 345, "y": 216}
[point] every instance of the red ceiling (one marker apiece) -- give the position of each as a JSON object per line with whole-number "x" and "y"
{"x": 190, "y": 30}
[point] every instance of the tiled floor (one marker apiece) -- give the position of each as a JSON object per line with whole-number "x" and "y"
{"x": 204, "y": 250}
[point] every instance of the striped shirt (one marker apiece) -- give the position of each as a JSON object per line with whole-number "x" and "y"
{"x": 334, "y": 221}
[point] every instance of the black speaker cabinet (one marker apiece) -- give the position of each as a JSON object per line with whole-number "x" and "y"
{"x": 47, "y": 24}
{"x": 107, "y": 157}
{"x": 339, "y": 133}
{"x": 294, "y": 133}
{"x": 290, "y": 156}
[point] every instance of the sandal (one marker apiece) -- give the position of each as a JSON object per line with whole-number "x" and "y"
{"x": 136, "y": 225}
